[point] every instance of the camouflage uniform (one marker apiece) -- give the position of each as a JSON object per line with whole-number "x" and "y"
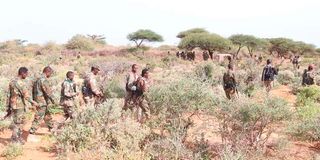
{"x": 68, "y": 94}
{"x": 43, "y": 95}
{"x": 141, "y": 100}
{"x": 91, "y": 90}
{"x": 229, "y": 84}
{"x": 131, "y": 79}
{"x": 18, "y": 95}
{"x": 267, "y": 80}
{"x": 308, "y": 78}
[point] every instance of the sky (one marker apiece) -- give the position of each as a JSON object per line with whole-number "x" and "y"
{"x": 41, "y": 21}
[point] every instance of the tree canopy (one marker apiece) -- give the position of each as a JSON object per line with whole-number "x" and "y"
{"x": 80, "y": 42}
{"x": 205, "y": 41}
{"x": 191, "y": 31}
{"x": 251, "y": 42}
{"x": 143, "y": 35}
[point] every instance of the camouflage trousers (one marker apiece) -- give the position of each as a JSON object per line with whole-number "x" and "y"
{"x": 91, "y": 101}
{"x": 230, "y": 93}
{"x": 142, "y": 108}
{"x": 129, "y": 97}
{"x": 18, "y": 123}
{"x": 268, "y": 85}
{"x": 41, "y": 114}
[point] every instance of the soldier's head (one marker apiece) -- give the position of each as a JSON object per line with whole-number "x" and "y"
{"x": 95, "y": 69}
{"x": 134, "y": 68}
{"x": 229, "y": 58}
{"x": 269, "y": 61}
{"x": 23, "y": 72}
{"x": 70, "y": 75}
{"x": 145, "y": 73}
{"x": 310, "y": 67}
{"x": 47, "y": 71}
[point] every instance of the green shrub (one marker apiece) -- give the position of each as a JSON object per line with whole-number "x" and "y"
{"x": 12, "y": 151}
{"x": 205, "y": 73}
{"x": 80, "y": 42}
{"x": 307, "y": 94}
{"x": 169, "y": 60}
{"x": 114, "y": 89}
{"x": 285, "y": 77}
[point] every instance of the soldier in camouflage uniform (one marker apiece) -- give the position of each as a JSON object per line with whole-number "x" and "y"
{"x": 131, "y": 86}
{"x": 43, "y": 95}
{"x": 229, "y": 83}
{"x": 68, "y": 95}
{"x": 143, "y": 85}
{"x": 18, "y": 96}
{"x": 90, "y": 90}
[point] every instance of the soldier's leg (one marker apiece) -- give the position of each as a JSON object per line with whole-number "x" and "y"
{"x": 18, "y": 121}
{"x": 144, "y": 105}
{"x": 38, "y": 117}
{"x": 127, "y": 101}
{"x": 227, "y": 91}
{"x": 48, "y": 119}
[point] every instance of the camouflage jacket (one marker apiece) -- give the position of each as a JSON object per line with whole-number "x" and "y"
{"x": 43, "y": 92}
{"x": 90, "y": 86}
{"x": 131, "y": 80}
{"x": 18, "y": 94}
{"x": 68, "y": 93}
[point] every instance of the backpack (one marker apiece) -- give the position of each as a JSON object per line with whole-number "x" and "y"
{"x": 229, "y": 81}
{"x": 269, "y": 73}
{"x": 306, "y": 79}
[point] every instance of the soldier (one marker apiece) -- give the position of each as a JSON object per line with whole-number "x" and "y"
{"x": 296, "y": 62}
{"x": 183, "y": 55}
{"x": 18, "y": 95}
{"x": 91, "y": 91}
{"x": 268, "y": 74}
{"x": 68, "y": 95}
{"x": 308, "y": 77}
{"x": 143, "y": 86}
{"x": 43, "y": 95}
{"x": 131, "y": 85}
{"x": 205, "y": 56}
{"x": 178, "y": 54}
{"x": 229, "y": 82}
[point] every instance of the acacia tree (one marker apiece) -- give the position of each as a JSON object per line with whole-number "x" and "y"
{"x": 191, "y": 31}
{"x": 205, "y": 41}
{"x": 100, "y": 39}
{"x": 252, "y": 43}
{"x": 280, "y": 46}
{"x": 144, "y": 35}
{"x": 318, "y": 50}
{"x": 302, "y": 48}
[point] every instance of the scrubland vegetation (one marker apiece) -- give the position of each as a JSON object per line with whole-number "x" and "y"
{"x": 256, "y": 125}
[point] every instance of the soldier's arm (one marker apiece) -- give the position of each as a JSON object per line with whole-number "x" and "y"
{"x": 94, "y": 87}
{"x": 26, "y": 96}
{"x": 263, "y": 72}
{"x": 48, "y": 91}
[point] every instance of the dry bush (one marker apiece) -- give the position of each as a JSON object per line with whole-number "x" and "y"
{"x": 245, "y": 124}
{"x": 285, "y": 77}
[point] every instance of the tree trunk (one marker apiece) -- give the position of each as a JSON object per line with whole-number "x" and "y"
{"x": 236, "y": 56}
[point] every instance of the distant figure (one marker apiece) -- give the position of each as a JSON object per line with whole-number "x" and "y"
{"x": 183, "y": 55}
{"x": 68, "y": 95}
{"x": 178, "y": 54}
{"x": 229, "y": 83}
{"x": 268, "y": 75}
{"x": 90, "y": 90}
{"x": 43, "y": 95}
{"x": 296, "y": 62}
{"x": 18, "y": 98}
{"x": 205, "y": 56}
{"x": 308, "y": 77}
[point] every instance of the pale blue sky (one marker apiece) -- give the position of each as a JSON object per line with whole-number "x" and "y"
{"x": 39, "y": 21}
